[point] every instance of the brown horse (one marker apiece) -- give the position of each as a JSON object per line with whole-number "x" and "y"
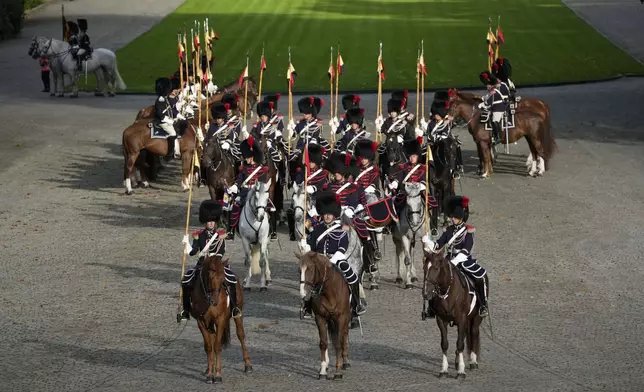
{"x": 452, "y": 304}
{"x": 210, "y": 307}
{"x": 230, "y": 88}
{"x": 324, "y": 283}
{"x": 137, "y": 137}
{"x": 219, "y": 168}
{"x": 528, "y": 124}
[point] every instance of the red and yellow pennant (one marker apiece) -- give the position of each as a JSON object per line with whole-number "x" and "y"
{"x": 291, "y": 74}
{"x": 243, "y": 77}
{"x": 381, "y": 68}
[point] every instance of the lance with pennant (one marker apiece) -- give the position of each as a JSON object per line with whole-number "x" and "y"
{"x": 331, "y": 73}
{"x": 262, "y": 68}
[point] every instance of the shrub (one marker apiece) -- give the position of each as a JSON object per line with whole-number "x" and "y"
{"x": 12, "y": 14}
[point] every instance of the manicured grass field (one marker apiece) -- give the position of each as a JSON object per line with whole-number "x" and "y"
{"x": 545, "y": 42}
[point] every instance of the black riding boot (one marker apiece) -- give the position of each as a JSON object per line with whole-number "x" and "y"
{"x": 185, "y": 313}
{"x": 429, "y": 309}
{"x": 171, "y": 146}
{"x": 290, "y": 219}
{"x": 306, "y": 309}
{"x": 376, "y": 251}
{"x": 232, "y": 291}
{"x": 480, "y": 289}
{"x": 356, "y": 302}
{"x": 273, "y": 225}
{"x": 459, "y": 163}
{"x": 496, "y": 132}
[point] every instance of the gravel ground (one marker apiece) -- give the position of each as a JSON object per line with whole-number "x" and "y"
{"x": 90, "y": 283}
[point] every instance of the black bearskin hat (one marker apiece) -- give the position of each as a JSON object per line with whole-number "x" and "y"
{"x": 209, "y": 211}
{"x": 163, "y": 87}
{"x": 82, "y": 24}
{"x": 310, "y": 105}
{"x": 73, "y": 28}
{"x": 488, "y": 79}
{"x": 355, "y": 115}
{"x": 335, "y": 163}
{"x": 365, "y": 148}
{"x": 400, "y": 94}
{"x": 264, "y": 109}
{"x": 230, "y": 100}
{"x": 350, "y": 101}
{"x": 502, "y": 69}
{"x": 414, "y": 146}
{"x": 457, "y": 207}
{"x": 439, "y": 107}
{"x": 351, "y": 166}
{"x": 175, "y": 82}
{"x": 395, "y": 105}
{"x": 250, "y": 148}
{"x": 273, "y": 99}
{"x": 316, "y": 153}
{"x": 327, "y": 203}
{"x": 442, "y": 95}
{"x": 218, "y": 110}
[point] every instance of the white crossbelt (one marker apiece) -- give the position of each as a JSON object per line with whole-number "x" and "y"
{"x": 363, "y": 173}
{"x": 343, "y": 187}
{"x": 315, "y": 173}
{"x": 411, "y": 172}
{"x": 257, "y": 169}
{"x": 325, "y": 233}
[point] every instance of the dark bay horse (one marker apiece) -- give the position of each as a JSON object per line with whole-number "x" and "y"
{"x": 391, "y": 155}
{"x": 219, "y": 169}
{"x": 528, "y": 124}
{"x": 325, "y": 284}
{"x": 210, "y": 307}
{"x": 444, "y": 153}
{"x": 137, "y": 137}
{"x": 452, "y": 304}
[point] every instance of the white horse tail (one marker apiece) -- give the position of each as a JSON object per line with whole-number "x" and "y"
{"x": 119, "y": 82}
{"x": 255, "y": 255}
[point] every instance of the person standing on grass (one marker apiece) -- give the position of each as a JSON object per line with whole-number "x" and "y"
{"x": 44, "y": 73}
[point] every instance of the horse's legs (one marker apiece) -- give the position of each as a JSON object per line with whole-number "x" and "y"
{"x": 487, "y": 159}
{"x": 460, "y": 347}
{"x": 338, "y": 340}
{"x": 444, "y": 345}
{"x": 241, "y": 335}
{"x": 130, "y": 161}
{"x": 186, "y": 169}
{"x": 539, "y": 153}
{"x": 263, "y": 261}
{"x": 474, "y": 341}
{"x": 408, "y": 262}
{"x": 400, "y": 256}
{"x": 74, "y": 78}
{"x": 61, "y": 92}
{"x": 343, "y": 333}
{"x": 221, "y": 327}
{"x": 324, "y": 341}
{"x": 209, "y": 348}
{"x": 479, "y": 152}
{"x": 247, "y": 252}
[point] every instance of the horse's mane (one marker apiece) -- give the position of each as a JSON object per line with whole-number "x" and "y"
{"x": 311, "y": 259}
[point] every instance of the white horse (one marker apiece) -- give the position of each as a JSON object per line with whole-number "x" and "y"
{"x": 102, "y": 62}
{"x": 254, "y": 232}
{"x": 411, "y": 219}
{"x": 297, "y": 203}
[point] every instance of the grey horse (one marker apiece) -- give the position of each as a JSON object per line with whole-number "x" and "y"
{"x": 254, "y": 233}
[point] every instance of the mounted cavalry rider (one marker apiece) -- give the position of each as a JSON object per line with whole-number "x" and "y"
{"x": 251, "y": 172}
{"x": 494, "y": 102}
{"x": 74, "y": 42}
{"x": 355, "y": 130}
{"x": 174, "y": 98}
{"x": 331, "y": 240}
{"x": 163, "y": 115}
{"x": 85, "y": 47}
{"x": 214, "y": 239}
{"x": 459, "y": 239}
{"x": 411, "y": 171}
{"x": 225, "y": 131}
{"x": 440, "y": 126}
{"x": 368, "y": 177}
{"x": 399, "y": 122}
{"x": 503, "y": 71}
{"x": 269, "y": 128}
{"x": 349, "y": 101}
{"x": 309, "y": 130}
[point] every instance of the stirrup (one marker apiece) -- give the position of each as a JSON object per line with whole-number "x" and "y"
{"x": 483, "y": 311}
{"x": 236, "y": 312}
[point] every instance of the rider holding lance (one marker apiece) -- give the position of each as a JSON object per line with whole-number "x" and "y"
{"x": 354, "y": 132}
{"x": 331, "y": 240}
{"x": 459, "y": 239}
{"x": 163, "y": 114}
{"x": 440, "y": 126}
{"x": 310, "y": 127}
{"x": 495, "y": 102}
{"x": 368, "y": 178}
{"x": 411, "y": 171}
{"x": 349, "y": 101}
{"x": 214, "y": 239}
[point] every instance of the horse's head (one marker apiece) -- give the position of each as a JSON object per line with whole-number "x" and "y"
{"x": 313, "y": 272}
{"x": 415, "y": 204}
{"x": 33, "y": 48}
{"x": 462, "y": 109}
{"x": 434, "y": 267}
{"x": 446, "y": 150}
{"x": 213, "y": 278}
{"x": 393, "y": 149}
{"x": 260, "y": 198}
{"x": 252, "y": 87}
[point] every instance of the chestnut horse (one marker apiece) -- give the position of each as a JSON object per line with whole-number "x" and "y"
{"x": 137, "y": 137}
{"x": 329, "y": 291}
{"x": 230, "y": 88}
{"x": 210, "y": 307}
{"x": 452, "y": 304}
{"x": 528, "y": 124}
{"x": 219, "y": 169}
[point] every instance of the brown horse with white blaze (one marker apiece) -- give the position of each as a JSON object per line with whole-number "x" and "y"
{"x": 452, "y": 303}
{"x": 326, "y": 286}
{"x": 528, "y": 124}
{"x": 210, "y": 307}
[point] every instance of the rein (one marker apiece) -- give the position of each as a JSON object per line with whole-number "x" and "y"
{"x": 255, "y": 210}
{"x": 206, "y": 288}
{"x": 410, "y": 213}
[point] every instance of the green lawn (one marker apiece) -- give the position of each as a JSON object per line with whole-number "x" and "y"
{"x": 545, "y": 42}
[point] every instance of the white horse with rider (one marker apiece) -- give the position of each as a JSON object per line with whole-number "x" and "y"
{"x": 254, "y": 230}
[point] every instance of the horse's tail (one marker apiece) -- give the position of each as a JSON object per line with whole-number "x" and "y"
{"x": 117, "y": 76}
{"x": 255, "y": 255}
{"x": 547, "y": 139}
{"x": 225, "y": 339}
{"x": 334, "y": 331}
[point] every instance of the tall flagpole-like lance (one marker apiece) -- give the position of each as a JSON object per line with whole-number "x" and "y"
{"x": 262, "y": 67}
{"x": 290, "y": 99}
{"x": 500, "y": 40}
{"x": 198, "y": 74}
{"x": 207, "y": 76}
{"x": 338, "y": 72}
{"x": 381, "y": 76}
{"x": 331, "y": 117}
{"x": 245, "y": 80}
{"x": 181, "y": 56}
{"x": 423, "y": 71}
{"x": 417, "y": 85}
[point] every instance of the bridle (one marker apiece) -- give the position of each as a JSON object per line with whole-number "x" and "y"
{"x": 255, "y": 210}
{"x": 205, "y": 287}
{"x": 410, "y": 213}
{"x": 435, "y": 284}
{"x": 316, "y": 289}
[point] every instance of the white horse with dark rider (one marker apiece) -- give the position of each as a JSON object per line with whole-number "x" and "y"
{"x": 407, "y": 230}
{"x": 254, "y": 230}
{"x": 102, "y": 63}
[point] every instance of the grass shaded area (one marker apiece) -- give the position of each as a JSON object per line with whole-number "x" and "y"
{"x": 545, "y": 42}
{"x": 29, "y": 4}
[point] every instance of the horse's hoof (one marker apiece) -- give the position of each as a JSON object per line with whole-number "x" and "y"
{"x": 374, "y": 287}
{"x": 337, "y": 377}
{"x": 460, "y": 376}
{"x": 414, "y": 280}
{"x": 442, "y": 374}
{"x": 218, "y": 379}
{"x": 321, "y": 375}
{"x": 268, "y": 281}
{"x": 99, "y": 94}
{"x": 474, "y": 366}
{"x": 399, "y": 280}
{"x": 409, "y": 286}
{"x": 247, "y": 289}
{"x": 129, "y": 193}
{"x": 210, "y": 379}
{"x": 248, "y": 369}
{"x": 346, "y": 366}
{"x": 60, "y": 95}
{"x": 262, "y": 289}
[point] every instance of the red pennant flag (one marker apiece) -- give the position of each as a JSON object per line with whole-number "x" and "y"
{"x": 243, "y": 77}
{"x": 263, "y": 65}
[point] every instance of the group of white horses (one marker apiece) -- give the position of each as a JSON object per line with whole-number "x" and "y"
{"x": 102, "y": 64}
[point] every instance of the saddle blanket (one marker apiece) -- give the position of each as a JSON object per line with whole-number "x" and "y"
{"x": 508, "y": 118}
{"x": 381, "y": 211}
{"x": 156, "y": 132}
{"x": 468, "y": 284}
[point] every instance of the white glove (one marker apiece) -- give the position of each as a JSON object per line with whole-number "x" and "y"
{"x": 400, "y": 139}
{"x": 310, "y": 189}
{"x": 179, "y": 104}
{"x": 186, "y": 240}
{"x": 187, "y": 248}
{"x": 278, "y": 134}
{"x": 313, "y": 212}
{"x": 200, "y": 132}
{"x": 304, "y": 247}
{"x": 180, "y": 116}
{"x": 244, "y": 132}
{"x": 419, "y": 132}
{"x": 332, "y": 123}
{"x": 336, "y": 122}
{"x": 370, "y": 189}
{"x": 337, "y": 256}
{"x": 379, "y": 122}
{"x": 458, "y": 259}
{"x": 359, "y": 208}
{"x": 429, "y": 244}
{"x": 482, "y": 105}
{"x": 291, "y": 125}
{"x": 393, "y": 185}
{"x": 212, "y": 88}
{"x": 348, "y": 212}
{"x": 269, "y": 144}
{"x": 225, "y": 146}
{"x": 188, "y": 110}
{"x": 423, "y": 124}
{"x": 233, "y": 189}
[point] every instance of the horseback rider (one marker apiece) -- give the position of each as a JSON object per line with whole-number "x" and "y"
{"x": 503, "y": 70}
{"x": 309, "y": 129}
{"x": 459, "y": 239}
{"x": 330, "y": 239}
{"x": 225, "y": 129}
{"x": 349, "y": 101}
{"x": 440, "y": 126}
{"x": 400, "y": 122}
{"x": 174, "y": 98}
{"x": 85, "y": 47}
{"x": 413, "y": 170}
{"x": 74, "y": 43}
{"x": 355, "y": 130}
{"x": 209, "y": 215}
{"x": 249, "y": 173}
{"x": 163, "y": 115}
{"x": 494, "y": 102}
{"x": 368, "y": 178}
